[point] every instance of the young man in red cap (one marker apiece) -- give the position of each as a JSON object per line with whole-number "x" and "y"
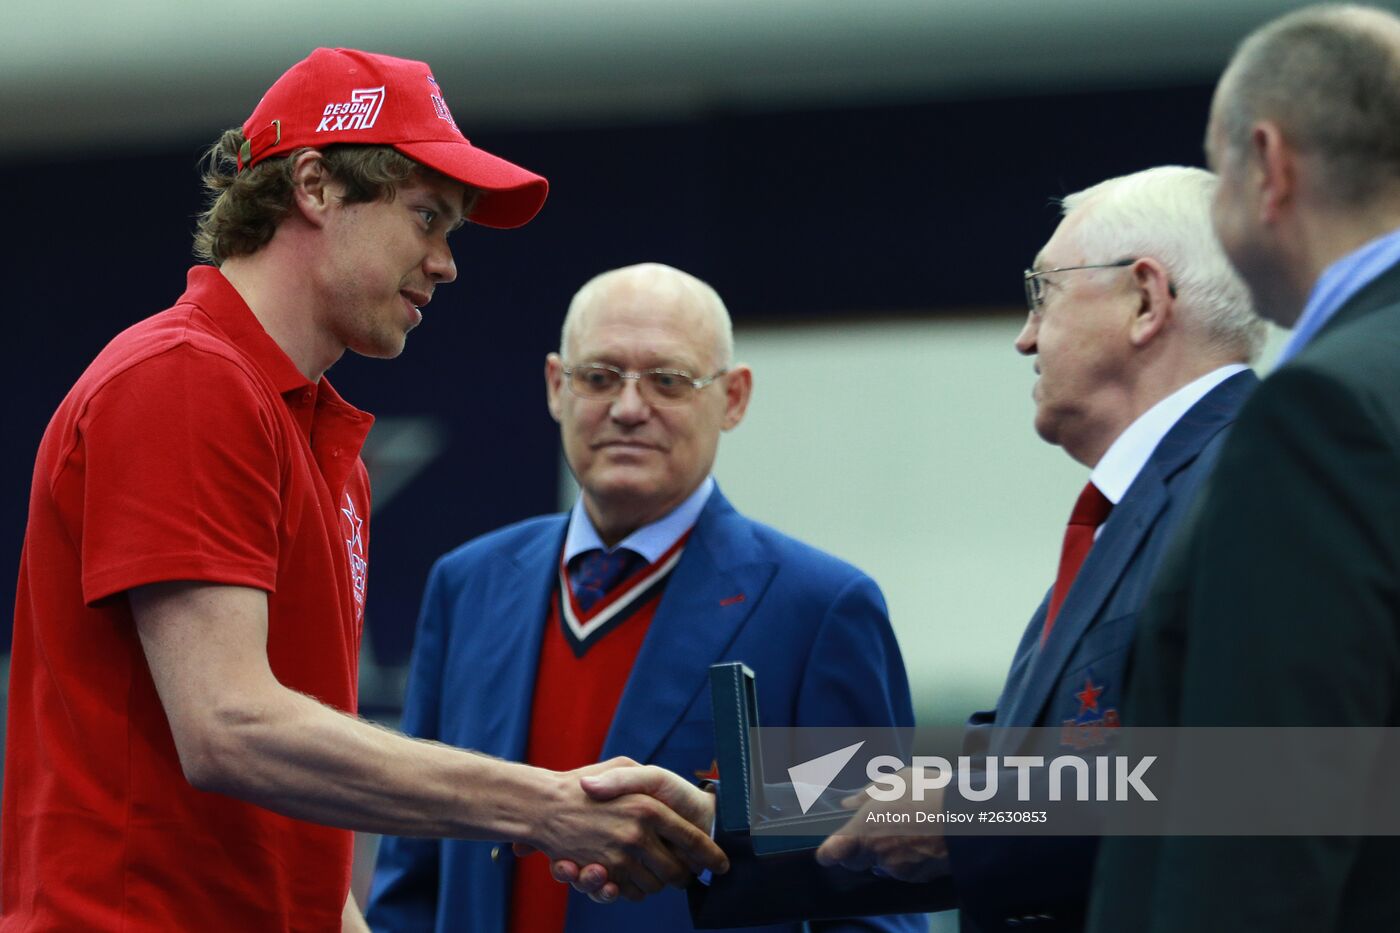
{"x": 181, "y": 735}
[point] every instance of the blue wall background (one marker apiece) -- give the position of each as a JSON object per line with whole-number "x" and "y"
{"x": 792, "y": 216}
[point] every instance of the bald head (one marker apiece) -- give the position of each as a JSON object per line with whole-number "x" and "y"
{"x": 1329, "y": 76}
{"x": 667, "y": 287}
{"x": 641, "y": 443}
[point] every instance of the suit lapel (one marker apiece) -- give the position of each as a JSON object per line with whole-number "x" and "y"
{"x": 1117, "y": 543}
{"x": 1120, "y": 539}
{"x": 508, "y": 660}
{"x": 712, "y": 592}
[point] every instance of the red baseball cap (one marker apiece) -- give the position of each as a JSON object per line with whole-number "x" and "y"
{"x": 345, "y": 96}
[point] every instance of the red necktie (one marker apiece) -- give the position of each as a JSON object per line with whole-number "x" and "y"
{"x": 1090, "y": 511}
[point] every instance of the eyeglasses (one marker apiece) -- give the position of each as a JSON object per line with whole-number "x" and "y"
{"x": 657, "y": 386}
{"x": 1035, "y": 287}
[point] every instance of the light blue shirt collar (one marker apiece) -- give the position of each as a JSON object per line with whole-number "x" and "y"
{"x": 650, "y": 541}
{"x": 1337, "y": 284}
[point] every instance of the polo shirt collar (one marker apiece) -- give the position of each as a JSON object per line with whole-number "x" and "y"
{"x": 216, "y": 296}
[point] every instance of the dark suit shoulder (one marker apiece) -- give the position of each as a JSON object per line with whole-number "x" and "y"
{"x": 1351, "y": 379}
{"x": 1361, "y": 355}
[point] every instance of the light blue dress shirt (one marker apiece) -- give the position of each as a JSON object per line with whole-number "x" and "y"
{"x": 650, "y": 541}
{"x": 1337, "y": 284}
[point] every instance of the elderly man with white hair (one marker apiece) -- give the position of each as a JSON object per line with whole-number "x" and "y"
{"x": 1141, "y": 334}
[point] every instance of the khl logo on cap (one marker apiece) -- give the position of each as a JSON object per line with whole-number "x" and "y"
{"x": 440, "y": 105}
{"x": 357, "y": 113}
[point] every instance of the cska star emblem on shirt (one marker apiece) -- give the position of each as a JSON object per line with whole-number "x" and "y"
{"x": 353, "y": 527}
{"x": 1095, "y": 723}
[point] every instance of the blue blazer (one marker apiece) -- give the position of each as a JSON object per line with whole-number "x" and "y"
{"x": 1042, "y": 883}
{"x": 815, "y": 630}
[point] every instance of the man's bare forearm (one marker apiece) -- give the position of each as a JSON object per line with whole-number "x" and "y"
{"x": 296, "y": 756}
{"x": 239, "y": 731}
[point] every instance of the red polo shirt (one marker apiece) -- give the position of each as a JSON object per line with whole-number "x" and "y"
{"x": 191, "y": 449}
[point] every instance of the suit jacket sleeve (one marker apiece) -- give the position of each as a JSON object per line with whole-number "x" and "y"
{"x": 998, "y": 877}
{"x": 1287, "y": 596}
{"x": 1001, "y": 876}
{"x": 404, "y": 892}
{"x": 854, "y": 676}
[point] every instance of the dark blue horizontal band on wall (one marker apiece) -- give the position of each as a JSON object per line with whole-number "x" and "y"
{"x": 791, "y": 215}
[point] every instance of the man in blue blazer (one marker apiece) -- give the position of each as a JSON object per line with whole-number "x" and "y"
{"x": 1141, "y": 332}
{"x": 525, "y": 650}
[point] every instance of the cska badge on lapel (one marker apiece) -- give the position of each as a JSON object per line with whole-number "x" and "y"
{"x": 1091, "y": 727}
{"x": 711, "y": 773}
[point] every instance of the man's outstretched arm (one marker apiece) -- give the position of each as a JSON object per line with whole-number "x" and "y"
{"x": 240, "y": 732}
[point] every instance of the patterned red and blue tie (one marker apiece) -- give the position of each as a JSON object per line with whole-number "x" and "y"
{"x": 595, "y": 573}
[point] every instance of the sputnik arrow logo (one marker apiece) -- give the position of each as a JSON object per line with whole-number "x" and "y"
{"x": 811, "y": 778}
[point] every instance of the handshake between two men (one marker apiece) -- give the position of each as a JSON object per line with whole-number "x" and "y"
{"x": 675, "y": 856}
{"x": 635, "y": 828}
